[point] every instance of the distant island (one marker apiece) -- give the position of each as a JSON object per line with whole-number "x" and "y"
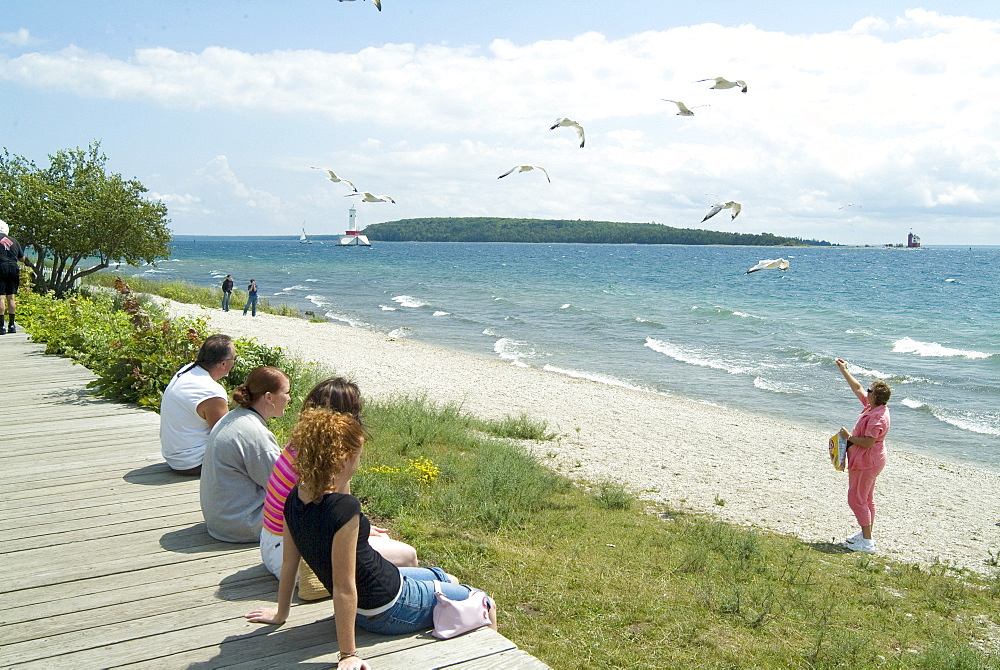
{"x": 491, "y": 229}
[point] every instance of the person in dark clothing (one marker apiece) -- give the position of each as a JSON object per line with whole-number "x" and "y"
{"x": 10, "y": 277}
{"x": 329, "y": 530}
{"x": 251, "y": 298}
{"x": 227, "y": 292}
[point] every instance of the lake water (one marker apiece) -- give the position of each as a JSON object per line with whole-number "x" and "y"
{"x": 677, "y": 320}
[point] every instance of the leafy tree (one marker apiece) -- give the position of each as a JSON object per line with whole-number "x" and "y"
{"x": 77, "y": 218}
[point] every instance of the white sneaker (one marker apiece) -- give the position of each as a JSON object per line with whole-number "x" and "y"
{"x": 854, "y": 538}
{"x": 862, "y": 545}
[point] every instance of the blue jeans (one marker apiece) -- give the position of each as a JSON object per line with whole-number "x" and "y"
{"x": 251, "y": 302}
{"x": 414, "y": 611}
{"x": 226, "y": 295}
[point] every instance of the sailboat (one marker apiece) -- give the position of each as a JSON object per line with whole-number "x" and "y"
{"x": 305, "y": 240}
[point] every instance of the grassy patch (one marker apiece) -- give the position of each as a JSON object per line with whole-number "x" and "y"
{"x": 584, "y": 579}
{"x": 186, "y": 292}
{"x": 611, "y": 495}
{"x": 521, "y": 427}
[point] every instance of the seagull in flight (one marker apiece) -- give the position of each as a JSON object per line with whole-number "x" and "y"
{"x": 719, "y": 206}
{"x": 377, "y": 3}
{"x": 684, "y": 111}
{"x": 334, "y": 178}
{"x": 777, "y": 264}
{"x": 525, "y": 168}
{"x": 368, "y": 197}
{"x": 722, "y": 82}
{"x": 570, "y": 123}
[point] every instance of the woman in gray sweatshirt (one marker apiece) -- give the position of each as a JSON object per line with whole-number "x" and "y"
{"x": 239, "y": 457}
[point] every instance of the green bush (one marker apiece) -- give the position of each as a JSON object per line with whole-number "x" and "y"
{"x": 133, "y": 355}
{"x": 611, "y": 495}
{"x": 521, "y": 427}
{"x": 133, "y": 349}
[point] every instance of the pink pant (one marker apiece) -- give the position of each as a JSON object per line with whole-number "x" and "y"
{"x": 861, "y": 493}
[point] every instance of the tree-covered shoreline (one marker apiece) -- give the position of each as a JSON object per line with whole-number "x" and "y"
{"x": 495, "y": 229}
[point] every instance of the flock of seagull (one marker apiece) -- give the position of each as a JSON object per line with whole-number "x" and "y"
{"x": 366, "y": 196}
{"x": 566, "y": 122}
{"x": 683, "y": 110}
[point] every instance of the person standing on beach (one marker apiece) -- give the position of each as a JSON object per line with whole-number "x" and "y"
{"x": 866, "y": 455}
{"x": 251, "y": 298}
{"x": 227, "y": 292}
{"x": 10, "y": 277}
{"x": 193, "y": 402}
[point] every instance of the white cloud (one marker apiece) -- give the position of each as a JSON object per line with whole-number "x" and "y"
{"x": 226, "y": 197}
{"x": 19, "y": 38}
{"x": 898, "y": 116}
{"x": 175, "y": 199}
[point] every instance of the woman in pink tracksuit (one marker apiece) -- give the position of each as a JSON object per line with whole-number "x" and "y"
{"x": 865, "y": 455}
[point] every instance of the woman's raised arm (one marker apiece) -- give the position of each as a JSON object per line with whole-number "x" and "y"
{"x": 855, "y": 385}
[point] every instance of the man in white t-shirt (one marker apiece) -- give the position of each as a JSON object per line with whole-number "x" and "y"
{"x": 193, "y": 403}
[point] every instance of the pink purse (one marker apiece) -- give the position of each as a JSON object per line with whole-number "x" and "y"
{"x": 454, "y": 617}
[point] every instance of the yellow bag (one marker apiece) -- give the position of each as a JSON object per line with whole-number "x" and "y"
{"x": 838, "y": 451}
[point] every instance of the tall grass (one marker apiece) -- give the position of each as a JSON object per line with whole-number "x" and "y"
{"x": 186, "y": 292}
{"x": 520, "y": 427}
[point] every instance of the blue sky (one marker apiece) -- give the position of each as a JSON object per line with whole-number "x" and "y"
{"x": 862, "y": 120}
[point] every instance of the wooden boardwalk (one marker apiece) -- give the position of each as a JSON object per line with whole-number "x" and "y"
{"x": 106, "y": 562}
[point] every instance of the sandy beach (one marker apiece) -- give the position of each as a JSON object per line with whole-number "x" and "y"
{"x": 689, "y": 455}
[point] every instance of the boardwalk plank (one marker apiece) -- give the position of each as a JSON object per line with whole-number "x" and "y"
{"x": 92, "y": 508}
{"x": 79, "y": 486}
{"x": 37, "y": 537}
{"x": 183, "y": 538}
{"x": 82, "y": 595}
{"x": 68, "y": 463}
{"x": 87, "y": 568}
{"x": 120, "y": 612}
{"x": 153, "y": 474}
{"x": 101, "y": 492}
{"x": 315, "y": 643}
{"x": 55, "y": 449}
{"x": 131, "y": 639}
{"x": 509, "y": 659}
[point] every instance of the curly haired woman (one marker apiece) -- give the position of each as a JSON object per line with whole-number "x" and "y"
{"x": 329, "y": 530}
{"x": 338, "y": 395}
